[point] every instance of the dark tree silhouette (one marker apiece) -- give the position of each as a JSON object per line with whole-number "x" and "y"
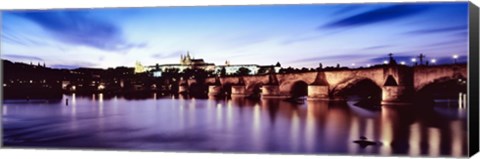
{"x": 242, "y": 71}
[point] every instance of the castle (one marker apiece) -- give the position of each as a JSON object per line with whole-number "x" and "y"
{"x": 189, "y": 62}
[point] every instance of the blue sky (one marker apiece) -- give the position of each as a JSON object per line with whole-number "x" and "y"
{"x": 294, "y": 35}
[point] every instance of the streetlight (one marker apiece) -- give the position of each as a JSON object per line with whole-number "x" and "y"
{"x": 455, "y": 57}
{"x": 385, "y": 62}
{"x": 414, "y": 61}
{"x": 368, "y": 65}
{"x": 403, "y": 62}
{"x": 434, "y": 61}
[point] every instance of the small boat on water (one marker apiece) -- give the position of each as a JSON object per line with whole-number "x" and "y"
{"x": 363, "y": 142}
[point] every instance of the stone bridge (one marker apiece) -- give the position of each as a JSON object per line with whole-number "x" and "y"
{"x": 398, "y": 83}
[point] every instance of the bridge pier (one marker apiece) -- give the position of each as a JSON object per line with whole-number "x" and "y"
{"x": 239, "y": 91}
{"x": 215, "y": 91}
{"x": 317, "y": 92}
{"x": 183, "y": 86}
{"x": 272, "y": 88}
{"x": 183, "y": 89}
{"x": 396, "y": 95}
{"x": 271, "y": 91}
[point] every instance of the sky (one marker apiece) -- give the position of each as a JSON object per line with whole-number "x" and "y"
{"x": 295, "y": 35}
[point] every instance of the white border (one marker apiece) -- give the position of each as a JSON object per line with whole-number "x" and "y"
{"x": 81, "y": 154}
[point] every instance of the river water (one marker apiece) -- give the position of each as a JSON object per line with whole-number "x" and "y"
{"x": 233, "y": 125}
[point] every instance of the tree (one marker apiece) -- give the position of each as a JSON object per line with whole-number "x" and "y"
{"x": 263, "y": 70}
{"x": 242, "y": 71}
{"x": 222, "y": 72}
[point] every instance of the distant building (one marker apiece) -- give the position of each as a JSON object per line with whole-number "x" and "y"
{"x": 139, "y": 67}
{"x": 188, "y": 62}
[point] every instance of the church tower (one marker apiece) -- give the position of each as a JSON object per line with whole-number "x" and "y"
{"x": 188, "y": 59}
{"x": 139, "y": 67}
{"x": 182, "y": 60}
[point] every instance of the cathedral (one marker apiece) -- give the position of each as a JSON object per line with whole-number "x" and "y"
{"x": 189, "y": 61}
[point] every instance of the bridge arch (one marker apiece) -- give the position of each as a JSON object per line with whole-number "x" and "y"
{"x": 299, "y": 88}
{"x": 447, "y": 87}
{"x": 254, "y": 89}
{"x": 197, "y": 89}
{"x": 361, "y": 87}
{"x": 227, "y": 88}
{"x": 441, "y": 79}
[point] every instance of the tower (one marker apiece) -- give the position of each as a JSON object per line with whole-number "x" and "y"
{"x": 139, "y": 67}
{"x": 188, "y": 59}
{"x": 182, "y": 59}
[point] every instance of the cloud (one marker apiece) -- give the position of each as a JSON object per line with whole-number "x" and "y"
{"x": 22, "y": 57}
{"x": 448, "y": 43}
{"x": 376, "y": 47}
{"x": 60, "y": 66}
{"x": 8, "y": 39}
{"x": 463, "y": 34}
{"x": 378, "y": 15}
{"x": 77, "y": 28}
{"x": 20, "y": 39}
{"x": 323, "y": 34}
{"x": 74, "y": 65}
{"x": 380, "y": 59}
{"x": 334, "y": 57}
{"x": 439, "y": 30}
{"x": 343, "y": 9}
{"x": 168, "y": 55}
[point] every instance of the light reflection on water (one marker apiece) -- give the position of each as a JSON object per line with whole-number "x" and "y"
{"x": 4, "y": 110}
{"x": 415, "y": 138}
{"x": 233, "y": 125}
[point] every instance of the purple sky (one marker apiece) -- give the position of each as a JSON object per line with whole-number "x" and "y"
{"x": 294, "y": 35}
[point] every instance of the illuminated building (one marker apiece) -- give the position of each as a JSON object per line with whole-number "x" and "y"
{"x": 188, "y": 62}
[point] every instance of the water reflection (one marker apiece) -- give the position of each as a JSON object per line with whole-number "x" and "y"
{"x": 100, "y": 104}
{"x": 415, "y": 138}
{"x": 310, "y": 133}
{"x": 353, "y": 135}
{"x": 256, "y": 128}
{"x": 387, "y": 130}
{"x": 232, "y": 125}
{"x": 434, "y": 142}
{"x": 4, "y": 110}
{"x": 295, "y": 131}
{"x": 457, "y": 138}
{"x": 74, "y": 99}
{"x": 74, "y": 105}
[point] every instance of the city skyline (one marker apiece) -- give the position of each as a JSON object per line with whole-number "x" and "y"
{"x": 348, "y": 34}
